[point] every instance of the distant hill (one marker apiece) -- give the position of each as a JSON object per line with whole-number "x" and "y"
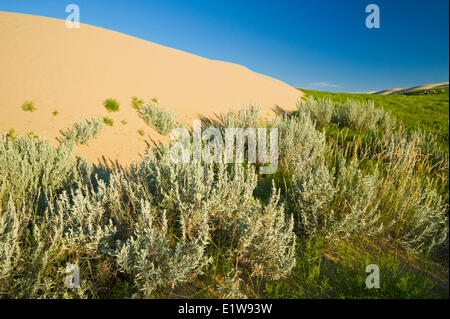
{"x": 411, "y": 89}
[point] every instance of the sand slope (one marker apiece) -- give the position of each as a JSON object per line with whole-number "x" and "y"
{"x": 75, "y": 70}
{"x": 414, "y": 88}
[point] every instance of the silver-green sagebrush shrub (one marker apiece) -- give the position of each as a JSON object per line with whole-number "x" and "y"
{"x": 301, "y": 151}
{"x": 312, "y": 195}
{"x": 14, "y": 256}
{"x": 419, "y": 215}
{"x": 230, "y": 288}
{"x": 427, "y": 228}
{"x": 361, "y": 116}
{"x": 324, "y": 204}
{"x": 244, "y": 118}
{"x": 84, "y": 131}
{"x": 32, "y": 173}
{"x": 156, "y": 258}
{"x": 354, "y": 114}
{"x": 80, "y": 222}
{"x": 28, "y": 166}
{"x": 320, "y": 110}
{"x": 184, "y": 207}
{"x": 32, "y": 260}
{"x": 268, "y": 243}
{"x": 9, "y": 241}
{"x": 429, "y": 146}
{"x": 356, "y": 202}
{"x": 224, "y": 196}
{"x": 154, "y": 115}
{"x": 121, "y": 197}
{"x": 299, "y": 141}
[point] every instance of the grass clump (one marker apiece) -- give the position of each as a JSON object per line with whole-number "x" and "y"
{"x": 123, "y": 122}
{"x": 137, "y": 103}
{"x": 55, "y": 113}
{"x": 11, "y": 135}
{"x": 28, "y": 106}
{"x": 108, "y": 121}
{"x": 157, "y": 117}
{"x": 141, "y": 132}
{"x": 111, "y": 105}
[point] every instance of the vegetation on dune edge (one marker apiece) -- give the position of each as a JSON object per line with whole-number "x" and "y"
{"x": 154, "y": 115}
{"x": 357, "y": 184}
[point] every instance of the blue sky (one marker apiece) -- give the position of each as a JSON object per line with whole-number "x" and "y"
{"x": 320, "y": 44}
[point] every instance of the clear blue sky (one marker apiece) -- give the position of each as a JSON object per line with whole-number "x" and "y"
{"x": 316, "y": 44}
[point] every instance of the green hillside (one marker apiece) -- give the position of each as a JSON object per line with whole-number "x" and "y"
{"x": 414, "y": 110}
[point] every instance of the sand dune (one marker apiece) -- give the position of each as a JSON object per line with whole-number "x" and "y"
{"x": 413, "y": 88}
{"x": 75, "y": 70}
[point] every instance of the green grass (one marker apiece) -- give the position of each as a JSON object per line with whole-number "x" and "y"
{"x": 123, "y": 122}
{"x": 55, "y": 113}
{"x": 108, "y": 121}
{"x": 137, "y": 103}
{"x": 111, "y": 105}
{"x": 12, "y": 135}
{"x": 32, "y": 135}
{"x": 428, "y": 112}
{"x": 326, "y": 270}
{"x": 141, "y": 132}
{"x": 28, "y": 106}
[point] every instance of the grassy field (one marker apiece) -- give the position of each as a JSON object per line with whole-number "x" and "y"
{"x": 356, "y": 186}
{"x": 333, "y": 270}
{"x": 412, "y": 109}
